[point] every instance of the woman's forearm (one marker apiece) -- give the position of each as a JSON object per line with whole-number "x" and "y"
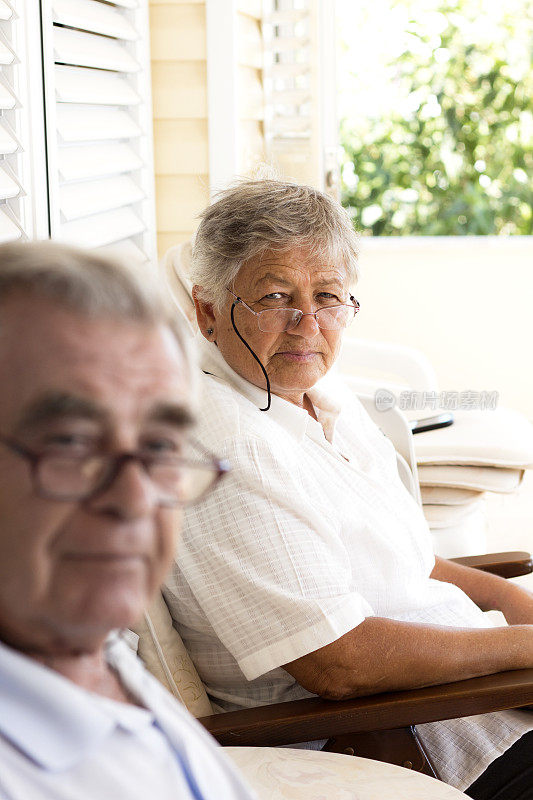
{"x": 384, "y": 655}
{"x": 484, "y": 589}
{"x": 489, "y": 592}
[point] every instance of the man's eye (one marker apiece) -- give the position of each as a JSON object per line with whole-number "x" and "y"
{"x": 274, "y": 296}
{"x": 70, "y": 442}
{"x": 163, "y": 446}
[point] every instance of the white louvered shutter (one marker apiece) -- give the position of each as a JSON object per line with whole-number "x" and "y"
{"x": 300, "y": 119}
{"x": 99, "y": 123}
{"x": 16, "y": 221}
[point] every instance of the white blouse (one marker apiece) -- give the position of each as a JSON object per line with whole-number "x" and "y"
{"x": 311, "y": 532}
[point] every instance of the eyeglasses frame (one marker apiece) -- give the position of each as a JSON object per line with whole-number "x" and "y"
{"x": 356, "y": 307}
{"x": 116, "y": 462}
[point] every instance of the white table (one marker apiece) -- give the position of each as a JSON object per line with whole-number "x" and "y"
{"x": 288, "y": 774}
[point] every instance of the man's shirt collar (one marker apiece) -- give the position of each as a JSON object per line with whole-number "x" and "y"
{"x": 50, "y": 719}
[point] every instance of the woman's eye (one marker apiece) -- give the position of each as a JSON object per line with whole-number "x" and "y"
{"x": 328, "y": 296}
{"x": 274, "y": 296}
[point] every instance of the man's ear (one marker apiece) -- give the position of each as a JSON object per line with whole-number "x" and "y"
{"x": 204, "y": 315}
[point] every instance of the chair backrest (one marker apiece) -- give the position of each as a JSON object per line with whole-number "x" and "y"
{"x": 162, "y": 650}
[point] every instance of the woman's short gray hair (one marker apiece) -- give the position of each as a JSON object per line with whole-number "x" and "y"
{"x": 86, "y": 283}
{"x": 254, "y": 216}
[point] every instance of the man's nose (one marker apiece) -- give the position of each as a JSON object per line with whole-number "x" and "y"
{"x": 130, "y": 495}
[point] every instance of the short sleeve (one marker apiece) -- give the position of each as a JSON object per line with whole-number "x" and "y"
{"x": 265, "y": 564}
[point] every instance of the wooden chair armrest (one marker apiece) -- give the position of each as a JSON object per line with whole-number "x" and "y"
{"x": 314, "y": 718}
{"x": 507, "y": 565}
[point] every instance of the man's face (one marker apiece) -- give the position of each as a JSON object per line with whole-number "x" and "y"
{"x": 71, "y": 571}
{"x": 294, "y": 359}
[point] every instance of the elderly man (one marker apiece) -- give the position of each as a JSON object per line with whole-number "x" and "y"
{"x": 94, "y": 413}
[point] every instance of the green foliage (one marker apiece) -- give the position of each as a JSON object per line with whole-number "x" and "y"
{"x": 458, "y": 158}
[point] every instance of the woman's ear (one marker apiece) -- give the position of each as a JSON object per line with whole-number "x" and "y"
{"x": 204, "y": 315}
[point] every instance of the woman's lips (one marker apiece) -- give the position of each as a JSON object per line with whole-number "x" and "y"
{"x": 298, "y": 356}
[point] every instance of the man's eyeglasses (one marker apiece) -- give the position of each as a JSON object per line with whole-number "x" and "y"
{"x": 179, "y": 481}
{"x": 278, "y": 320}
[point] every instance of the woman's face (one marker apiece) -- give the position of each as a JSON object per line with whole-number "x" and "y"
{"x": 294, "y": 359}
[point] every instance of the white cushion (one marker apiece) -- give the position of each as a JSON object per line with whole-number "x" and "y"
{"x": 481, "y": 479}
{"x": 164, "y": 655}
{"x": 440, "y": 516}
{"x": 288, "y": 774}
{"x": 499, "y": 438}
{"x": 448, "y": 496}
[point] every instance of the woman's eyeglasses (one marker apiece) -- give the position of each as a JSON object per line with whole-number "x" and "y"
{"x": 278, "y": 320}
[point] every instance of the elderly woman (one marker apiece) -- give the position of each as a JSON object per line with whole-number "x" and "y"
{"x": 310, "y": 569}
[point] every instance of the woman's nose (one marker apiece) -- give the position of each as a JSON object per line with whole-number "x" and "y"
{"x": 307, "y": 326}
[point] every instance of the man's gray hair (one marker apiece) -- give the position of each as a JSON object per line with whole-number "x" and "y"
{"x": 254, "y": 216}
{"x": 87, "y": 283}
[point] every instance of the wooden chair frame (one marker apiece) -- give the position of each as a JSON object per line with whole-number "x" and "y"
{"x": 382, "y": 726}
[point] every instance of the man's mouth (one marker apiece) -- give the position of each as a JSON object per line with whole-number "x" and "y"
{"x": 106, "y": 558}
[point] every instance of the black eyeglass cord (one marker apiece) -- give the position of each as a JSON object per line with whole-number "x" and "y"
{"x": 245, "y": 343}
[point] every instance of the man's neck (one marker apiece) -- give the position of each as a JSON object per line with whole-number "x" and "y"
{"x": 90, "y": 671}
{"x": 84, "y": 662}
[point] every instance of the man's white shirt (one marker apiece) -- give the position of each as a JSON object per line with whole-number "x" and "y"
{"x": 61, "y": 742}
{"x": 311, "y": 532}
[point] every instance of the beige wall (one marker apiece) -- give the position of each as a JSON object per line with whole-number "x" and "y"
{"x": 250, "y": 97}
{"x": 466, "y": 302}
{"x": 179, "y": 86}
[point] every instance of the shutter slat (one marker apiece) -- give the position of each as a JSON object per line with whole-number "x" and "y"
{"x": 284, "y": 71}
{"x": 284, "y": 17}
{"x": 90, "y": 50}
{"x": 90, "y": 15}
{"x": 8, "y": 185}
{"x": 95, "y": 161}
{"x": 284, "y": 125}
{"x": 91, "y": 123}
{"x": 289, "y": 97}
{"x": 287, "y": 44}
{"x": 6, "y": 12}
{"x": 81, "y": 85}
{"x": 6, "y": 55}
{"x": 9, "y": 230}
{"x": 127, "y": 251}
{"x": 8, "y": 143}
{"x": 82, "y": 199}
{"x": 7, "y": 99}
{"x": 103, "y": 229}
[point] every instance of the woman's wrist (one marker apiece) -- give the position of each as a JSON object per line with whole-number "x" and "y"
{"x": 516, "y": 604}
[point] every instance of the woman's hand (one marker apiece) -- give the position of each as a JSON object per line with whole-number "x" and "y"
{"x": 489, "y": 592}
{"x": 516, "y": 604}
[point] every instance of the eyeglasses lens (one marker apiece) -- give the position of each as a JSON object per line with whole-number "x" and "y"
{"x": 68, "y": 477}
{"x": 285, "y": 319}
{"x": 178, "y": 482}
{"x": 278, "y": 320}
